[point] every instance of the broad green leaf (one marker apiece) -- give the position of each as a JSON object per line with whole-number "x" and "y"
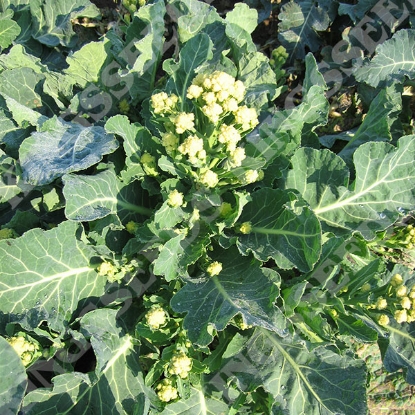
{"x": 353, "y": 327}
{"x": 87, "y": 63}
{"x": 61, "y": 147}
{"x": 9, "y": 29}
{"x": 17, "y": 57}
{"x": 167, "y": 217}
{"x": 181, "y": 251}
{"x": 11, "y": 135}
{"x": 8, "y": 182}
{"x": 193, "y": 17}
{"x": 197, "y": 404}
{"x": 254, "y": 69}
{"x": 398, "y": 349}
{"x": 300, "y": 23}
{"x": 314, "y": 110}
{"x": 133, "y": 137}
{"x": 117, "y": 386}
{"x": 46, "y": 275}
{"x": 13, "y": 382}
{"x": 394, "y": 59}
{"x": 51, "y": 20}
{"x": 278, "y": 135}
{"x": 376, "y": 126}
{"x": 242, "y": 287}
{"x": 24, "y": 115}
{"x": 259, "y": 79}
{"x": 357, "y": 11}
{"x": 243, "y": 16}
{"x": 283, "y": 228}
{"x": 292, "y": 297}
{"x": 317, "y": 382}
{"x": 193, "y": 54}
{"x": 149, "y": 20}
{"x": 22, "y": 17}
{"x": 281, "y": 133}
{"x": 313, "y": 76}
{"x": 91, "y": 197}
{"x": 384, "y": 185}
{"x": 23, "y": 85}
{"x": 23, "y": 221}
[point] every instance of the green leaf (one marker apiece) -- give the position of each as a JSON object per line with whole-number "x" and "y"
{"x": 243, "y": 16}
{"x": 300, "y": 23}
{"x": 193, "y": 17}
{"x": 394, "y": 59}
{"x": 11, "y": 134}
{"x": 283, "y": 228}
{"x": 134, "y": 136}
{"x": 357, "y": 11}
{"x": 384, "y": 185}
{"x": 9, "y": 29}
{"x": 24, "y": 115}
{"x": 197, "y": 404}
{"x": 398, "y": 350}
{"x": 47, "y": 276}
{"x": 181, "y": 251}
{"x": 23, "y": 85}
{"x": 8, "y": 186}
{"x": 51, "y": 20}
{"x": 86, "y": 64}
{"x": 292, "y": 297}
{"x": 13, "y": 382}
{"x": 259, "y": 79}
{"x": 117, "y": 385}
{"x": 376, "y": 126}
{"x": 302, "y": 382}
{"x": 281, "y": 133}
{"x": 356, "y": 328}
{"x": 91, "y": 197}
{"x": 17, "y": 57}
{"x": 61, "y": 147}
{"x": 149, "y": 20}
{"x": 193, "y": 54}
{"x": 242, "y": 287}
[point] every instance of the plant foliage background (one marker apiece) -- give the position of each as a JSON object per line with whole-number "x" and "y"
{"x": 144, "y": 275}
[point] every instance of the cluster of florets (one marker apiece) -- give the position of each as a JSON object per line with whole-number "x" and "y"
{"x": 245, "y": 228}
{"x": 166, "y": 391}
{"x": 399, "y": 301}
{"x": 108, "y": 270}
{"x": 7, "y": 233}
{"x": 115, "y": 272}
{"x": 211, "y": 137}
{"x": 163, "y": 103}
{"x": 180, "y": 365}
{"x": 214, "y": 268}
{"x": 26, "y": 349}
{"x": 156, "y": 317}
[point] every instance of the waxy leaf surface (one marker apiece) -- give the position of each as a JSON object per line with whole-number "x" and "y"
{"x": 317, "y": 382}
{"x": 63, "y": 147}
{"x": 94, "y": 197}
{"x": 46, "y": 275}
{"x": 283, "y": 228}
{"x": 117, "y": 386}
{"x": 13, "y": 382}
{"x": 384, "y": 186}
{"x": 242, "y": 287}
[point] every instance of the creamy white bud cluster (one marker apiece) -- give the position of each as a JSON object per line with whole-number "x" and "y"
{"x": 399, "y": 302}
{"x": 209, "y": 137}
{"x": 180, "y": 365}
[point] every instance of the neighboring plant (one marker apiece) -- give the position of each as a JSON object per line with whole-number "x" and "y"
{"x": 172, "y": 242}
